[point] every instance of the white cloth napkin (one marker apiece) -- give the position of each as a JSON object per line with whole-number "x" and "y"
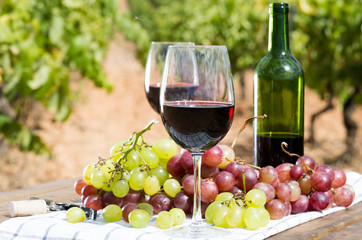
{"x": 54, "y": 226}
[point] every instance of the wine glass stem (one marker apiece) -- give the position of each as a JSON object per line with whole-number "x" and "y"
{"x": 197, "y": 215}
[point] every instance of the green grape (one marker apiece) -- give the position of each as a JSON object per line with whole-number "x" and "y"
{"x": 112, "y": 213}
{"x": 164, "y": 220}
{"x": 108, "y": 186}
{"x": 210, "y": 211}
{"x": 137, "y": 179}
{"x": 161, "y": 173}
{"x": 219, "y": 218}
{"x": 87, "y": 172}
{"x": 234, "y": 216}
{"x": 179, "y": 216}
{"x": 165, "y": 148}
{"x": 172, "y": 187}
{"x": 264, "y": 216}
{"x": 149, "y": 157}
{"x": 252, "y": 218}
{"x": 224, "y": 196}
{"x": 120, "y": 188}
{"x": 255, "y": 198}
{"x": 147, "y": 207}
{"x": 152, "y": 186}
{"x": 108, "y": 168}
{"x": 163, "y": 162}
{"x": 133, "y": 160}
{"x": 98, "y": 179}
{"x": 139, "y": 218}
{"x": 126, "y": 175}
{"x": 75, "y": 215}
{"x": 117, "y": 149}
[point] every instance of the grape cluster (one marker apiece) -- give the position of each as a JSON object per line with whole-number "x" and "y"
{"x": 139, "y": 180}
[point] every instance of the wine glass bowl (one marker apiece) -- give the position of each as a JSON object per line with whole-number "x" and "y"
{"x": 154, "y": 69}
{"x": 198, "y": 117}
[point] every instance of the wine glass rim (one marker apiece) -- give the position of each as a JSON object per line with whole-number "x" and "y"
{"x": 199, "y": 46}
{"x": 170, "y": 42}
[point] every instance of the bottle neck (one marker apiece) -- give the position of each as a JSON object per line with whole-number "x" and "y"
{"x": 278, "y": 33}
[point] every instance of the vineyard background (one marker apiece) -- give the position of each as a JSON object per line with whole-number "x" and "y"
{"x": 99, "y": 119}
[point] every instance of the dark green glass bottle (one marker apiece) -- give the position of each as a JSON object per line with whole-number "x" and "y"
{"x": 278, "y": 93}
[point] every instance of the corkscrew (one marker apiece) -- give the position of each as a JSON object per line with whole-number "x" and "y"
{"x": 37, "y": 205}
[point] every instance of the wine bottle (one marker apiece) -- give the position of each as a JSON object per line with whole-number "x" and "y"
{"x": 278, "y": 93}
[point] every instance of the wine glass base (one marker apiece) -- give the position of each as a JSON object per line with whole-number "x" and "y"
{"x": 196, "y": 231}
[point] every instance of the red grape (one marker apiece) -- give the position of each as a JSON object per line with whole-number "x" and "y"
{"x": 319, "y": 201}
{"x": 251, "y": 178}
{"x": 108, "y": 198}
{"x": 225, "y": 181}
{"x": 174, "y": 166}
{"x": 276, "y": 208}
{"x": 88, "y": 190}
{"x": 350, "y": 188}
{"x": 343, "y": 196}
{"x": 327, "y": 169}
{"x": 94, "y": 202}
{"x": 78, "y": 186}
{"x": 187, "y": 162}
{"x": 208, "y": 172}
{"x": 283, "y": 191}
{"x": 212, "y": 157}
{"x": 235, "y": 168}
{"x": 209, "y": 190}
{"x": 284, "y": 171}
{"x": 161, "y": 202}
{"x": 268, "y": 174}
{"x": 183, "y": 201}
{"x": 127, "y": 209}
{"x": 267, "y": 188}
{"x": 133, "y": 196}
{"x": 339, "y": 178}
{"x": 309, "y": 161}
{"x": 321, "y": 181}
{"x": 297, "y": 171}
{"x": 301, "y": 205}
{"x": 188, "y": 184}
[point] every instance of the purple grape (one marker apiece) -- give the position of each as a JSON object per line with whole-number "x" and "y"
{"x": 183, "y": 201}
{"x": 301, "y": 205}
{"x": 174, "y": 166}
{"x": 161, "y": 202}
{"x": 225, "y": 181}
{"x": 318, "y": 201}
{"x": 208, "y": 172}
{"x": 251, "y": 178}
{"x": 321, "y": 181}
{"x": 127, "y": 209}
{"x": 187, "y": 162}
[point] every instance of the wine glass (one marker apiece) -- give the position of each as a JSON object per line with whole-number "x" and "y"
{"x": 154, "y": 68}
{"x": 198, "y": 120}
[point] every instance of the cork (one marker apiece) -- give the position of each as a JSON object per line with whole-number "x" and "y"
{"x": 27, "y": 208}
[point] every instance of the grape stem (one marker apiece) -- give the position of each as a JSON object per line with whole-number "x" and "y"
{"x": 284, "y": 144}
{"x": 246, "y": 121}
{"x": 134, "y": 139}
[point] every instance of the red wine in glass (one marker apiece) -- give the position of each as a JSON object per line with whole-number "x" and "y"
{"x": 185, "y": 90}
{"x": 197, "y": 125}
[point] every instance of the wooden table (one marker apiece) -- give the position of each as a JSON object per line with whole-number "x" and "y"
{"x": 346, "y": 224}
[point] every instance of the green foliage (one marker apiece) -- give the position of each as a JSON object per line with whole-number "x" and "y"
{"x": 41, "y": 44}
{"x": 325, "y": 34}
{"x": 329, "y": 45}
